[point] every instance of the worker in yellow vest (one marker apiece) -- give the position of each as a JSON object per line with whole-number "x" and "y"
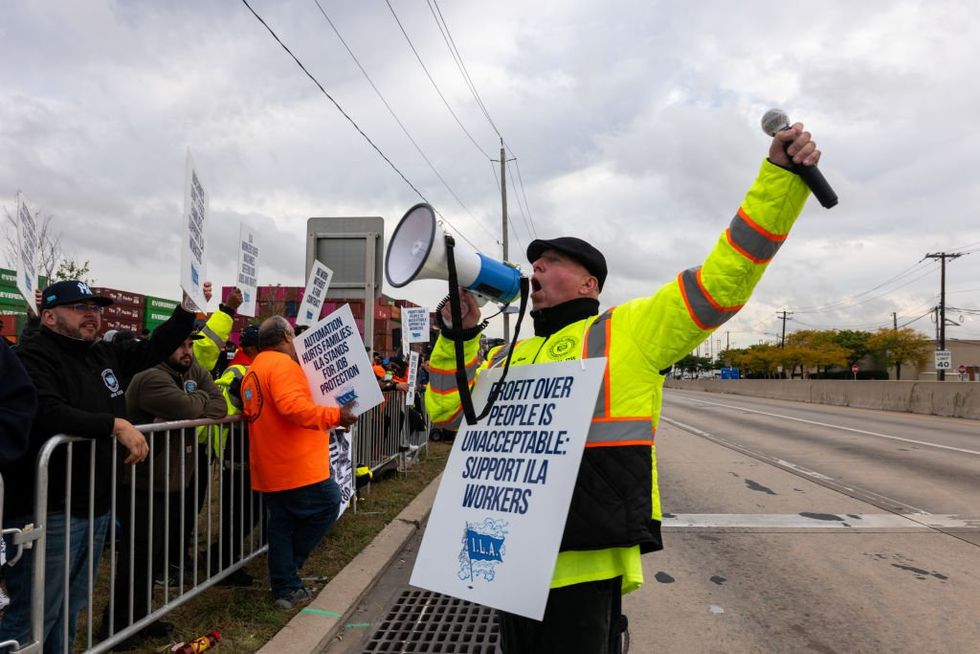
{"x": 239, "y": 514}
{"x": 615, "y": 511}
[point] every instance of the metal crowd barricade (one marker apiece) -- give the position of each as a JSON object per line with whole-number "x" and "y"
{"x": 204, "y": 505}
{"x": 385, "y": 435}
{"x": 213, "y": 513}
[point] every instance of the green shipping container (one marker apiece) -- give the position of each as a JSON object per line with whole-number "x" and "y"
{"x": 8, "y": 280}
{"x": 159, "y": 304}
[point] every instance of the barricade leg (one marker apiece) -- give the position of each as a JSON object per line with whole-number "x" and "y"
{"x": 16, "y": 622}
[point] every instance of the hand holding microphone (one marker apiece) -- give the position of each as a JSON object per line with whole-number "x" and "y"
{"x": 793, "y": 149}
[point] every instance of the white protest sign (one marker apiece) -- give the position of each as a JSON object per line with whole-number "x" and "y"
{"x": 248, "y": 262}
{"x": 342, "y": 466}
{"x": 316, "y": 288}
{"x": 415, "y": 324}
{"x": 413, "y": 376}
{"x": 337, "y": 368}
{"x": 28, "y": 250}
{"x": 498, "y": 518}
{"x": 193, "y": 264}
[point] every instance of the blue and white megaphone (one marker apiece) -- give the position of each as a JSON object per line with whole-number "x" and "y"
{"x": 418, "y": 251}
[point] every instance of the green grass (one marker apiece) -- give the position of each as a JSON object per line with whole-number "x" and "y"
{"x": 247, "y": 618}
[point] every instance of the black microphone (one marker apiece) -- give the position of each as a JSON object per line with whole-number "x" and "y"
{"x": 776, "y": 120}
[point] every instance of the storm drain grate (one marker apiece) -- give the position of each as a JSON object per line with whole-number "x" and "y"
{"x": 423, "y": 621}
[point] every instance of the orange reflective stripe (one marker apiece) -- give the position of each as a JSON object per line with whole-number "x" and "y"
{"x": 450, "y": 389}
{"x": 452, "y": 421}
{"x": 703, "y": 309}
{"x": 751, "y": 240}
{"x": 472, "y": 363}
{"x": 772, "y": 236}
{"x": 649, "y": 442}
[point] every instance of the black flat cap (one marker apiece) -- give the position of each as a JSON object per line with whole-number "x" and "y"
{"x": 579, "y": 250}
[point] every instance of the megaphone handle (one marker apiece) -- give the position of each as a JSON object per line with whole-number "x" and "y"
{"x": 456, "y": 313}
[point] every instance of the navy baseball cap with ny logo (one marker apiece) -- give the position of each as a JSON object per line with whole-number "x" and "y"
{"x": 70, "y": 292}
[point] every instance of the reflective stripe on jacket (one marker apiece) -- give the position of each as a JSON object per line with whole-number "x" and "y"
{"x": 615, "y": 511}
{"x": 215, "y": 331}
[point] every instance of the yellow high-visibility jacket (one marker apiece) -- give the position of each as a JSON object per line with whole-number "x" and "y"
{"x": 216, "y": 331}
{"x": 615, "y": 511}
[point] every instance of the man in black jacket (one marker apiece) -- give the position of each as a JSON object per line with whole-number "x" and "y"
{"x": 18, "y": 400}
{"x": 77, "y": 380}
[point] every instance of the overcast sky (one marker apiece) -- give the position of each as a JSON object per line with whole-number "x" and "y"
{"x": 635, "y": 125}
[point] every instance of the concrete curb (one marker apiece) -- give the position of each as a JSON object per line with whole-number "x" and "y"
{"x": 317, "y": 624}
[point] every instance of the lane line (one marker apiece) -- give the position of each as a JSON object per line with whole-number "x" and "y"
{"x": 862, "y": 494}
{"x": 823, "y": 521}
{"x": 840, "y": 427}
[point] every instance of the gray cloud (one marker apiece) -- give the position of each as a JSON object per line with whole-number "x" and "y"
{"x": 636, "y": 125}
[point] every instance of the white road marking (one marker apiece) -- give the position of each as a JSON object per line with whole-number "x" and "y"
{"x": 858, "y": 493}
{"x": 821, "y": 521}
{"x": 841, "y": 427}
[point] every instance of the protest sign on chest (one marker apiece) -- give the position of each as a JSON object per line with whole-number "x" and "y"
{"x": 337, "y": 368}
{"x": 496, "y": 525}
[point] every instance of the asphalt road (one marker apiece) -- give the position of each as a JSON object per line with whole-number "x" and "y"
{"x": 797, "y": 528}
{"x": 807, "y": 528}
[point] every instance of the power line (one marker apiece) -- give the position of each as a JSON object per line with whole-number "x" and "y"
{"x": 458, "y": 58}
{"x": 851, "y": 301}
{"x": 433, "y": 82}
{"x": 520, "y": 178}
{"x": 397, "y": 120}
{"x": 520, "y": 207}
{"x": 347, "y": 116}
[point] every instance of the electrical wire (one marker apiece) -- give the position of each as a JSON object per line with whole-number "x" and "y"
{"x": 517, "y": 164}
{"x": 458, "y": 58}
{"x": 853, "y": 301}
{"x": 433, "y": 82}
{"x": 527, "y": 225}
{"x": 397, "y": 120}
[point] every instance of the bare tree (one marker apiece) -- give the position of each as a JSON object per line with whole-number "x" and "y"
{"x": 50, "y": 254}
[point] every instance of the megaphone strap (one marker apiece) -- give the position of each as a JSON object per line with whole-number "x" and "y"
{"x": 455, "y": 312}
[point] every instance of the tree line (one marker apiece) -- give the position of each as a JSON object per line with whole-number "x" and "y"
{"x": 822, "y": 353}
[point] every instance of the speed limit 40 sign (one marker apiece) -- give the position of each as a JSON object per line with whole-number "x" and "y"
{"x": 944, "y": 359}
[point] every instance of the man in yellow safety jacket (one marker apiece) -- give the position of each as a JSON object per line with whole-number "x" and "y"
{"x": 239, "y": 514}
{"x": 615, "y": 513}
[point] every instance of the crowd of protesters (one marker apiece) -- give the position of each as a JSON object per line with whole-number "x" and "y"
{"x": 64, "y": 378}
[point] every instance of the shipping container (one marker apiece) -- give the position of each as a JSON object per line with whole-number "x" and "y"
{"x": 8, "y": 280}
{"x": 127, "y": 298}
{"x": 6, "y": 306}
{"x": 10, "y": 296}
{"x": 12, "y": 324}
{"x": 156, "y": 317}
{"x": 272, "y": 293}
{"x": 123, "y": 311}
{"x": 159, "y": 304}
{"x": 121, "y": 324}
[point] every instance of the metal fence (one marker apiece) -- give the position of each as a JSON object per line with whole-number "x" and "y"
{"x": 180, "y": 522}
{"x": 392, "y": 433}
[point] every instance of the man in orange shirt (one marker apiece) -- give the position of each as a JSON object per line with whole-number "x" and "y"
{"x": 289, "y": 457}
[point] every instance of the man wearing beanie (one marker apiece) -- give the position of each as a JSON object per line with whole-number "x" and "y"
{"x": 615, "y": 513}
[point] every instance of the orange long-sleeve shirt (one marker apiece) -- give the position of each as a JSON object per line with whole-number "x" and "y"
{"x": 289, "y": 444}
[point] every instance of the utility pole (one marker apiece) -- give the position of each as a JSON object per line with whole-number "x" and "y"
{"x": 503, "y": 223}
{"x": 785, "y": 316}
{"x": 942, "y": 256}
{"x": 894, "y": 321}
